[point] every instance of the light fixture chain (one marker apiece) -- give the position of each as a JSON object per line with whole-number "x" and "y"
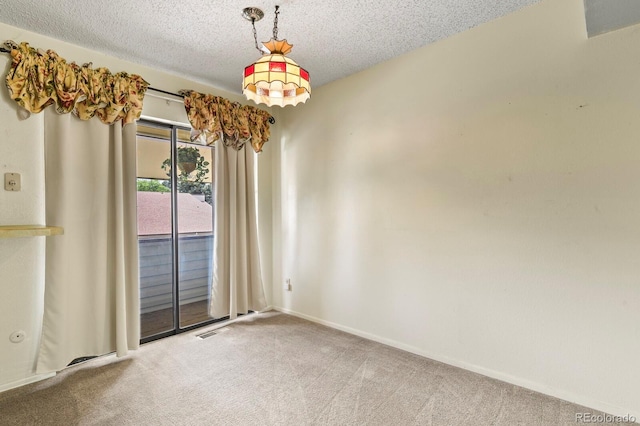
{"x": 255, "y": 34}
{"x": 275, "y": 24}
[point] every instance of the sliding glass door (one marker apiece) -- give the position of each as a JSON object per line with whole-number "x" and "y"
{"x": 175, "y": 229}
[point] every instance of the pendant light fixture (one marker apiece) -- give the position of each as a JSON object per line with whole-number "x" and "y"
{"x": 274, "y": 79}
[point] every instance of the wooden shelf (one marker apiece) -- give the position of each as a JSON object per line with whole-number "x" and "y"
{"x": 15, "y": 231}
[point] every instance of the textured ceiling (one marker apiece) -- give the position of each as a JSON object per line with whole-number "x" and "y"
{"x": 210, "y": 42}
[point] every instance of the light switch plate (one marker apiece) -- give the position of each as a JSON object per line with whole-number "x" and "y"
{"x": 12, "y": 182}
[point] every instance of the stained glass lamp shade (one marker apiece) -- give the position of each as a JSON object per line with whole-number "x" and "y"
{"x": 275, "y": 79}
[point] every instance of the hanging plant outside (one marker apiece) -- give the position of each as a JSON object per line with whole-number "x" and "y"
{"x": 192, "y": 169}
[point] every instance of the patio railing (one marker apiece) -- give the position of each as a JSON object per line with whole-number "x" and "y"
{"x": 156, "y": 276}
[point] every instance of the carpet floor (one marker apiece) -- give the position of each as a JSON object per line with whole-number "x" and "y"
{"x": 276, "y": 369}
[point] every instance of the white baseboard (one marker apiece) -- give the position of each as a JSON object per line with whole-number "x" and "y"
{"x": 537, "y": 387}
{"x": 26, "y": 381}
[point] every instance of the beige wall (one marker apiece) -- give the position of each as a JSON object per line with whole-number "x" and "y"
{"x": 21, "y": 259}
{"x": 22, "y": 151}
{"x": 477, "y": 201}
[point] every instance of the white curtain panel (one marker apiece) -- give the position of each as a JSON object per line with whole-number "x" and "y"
{"x": 91, "y": 287}
{"x": 237, "y": 279}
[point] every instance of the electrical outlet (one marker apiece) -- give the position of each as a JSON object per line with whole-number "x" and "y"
{"x": 287, "y": 284}
{"x": 17, "y": 336}
{"x": 12, "y": 182}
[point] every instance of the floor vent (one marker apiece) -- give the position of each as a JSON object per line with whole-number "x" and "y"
{"x": 207, "y": 334}
{"x": 80, "y": 360}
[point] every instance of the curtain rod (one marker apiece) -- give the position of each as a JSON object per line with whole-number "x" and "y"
{"x": 271, "y": 119}
{"x": 164, "y": 91}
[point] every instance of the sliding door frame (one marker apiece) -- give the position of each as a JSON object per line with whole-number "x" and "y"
{"x": 175, "y": 281}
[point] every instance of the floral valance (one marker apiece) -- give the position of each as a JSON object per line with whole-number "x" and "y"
{"x": 38, "y": 79}
{"x": 213, "y": 117}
